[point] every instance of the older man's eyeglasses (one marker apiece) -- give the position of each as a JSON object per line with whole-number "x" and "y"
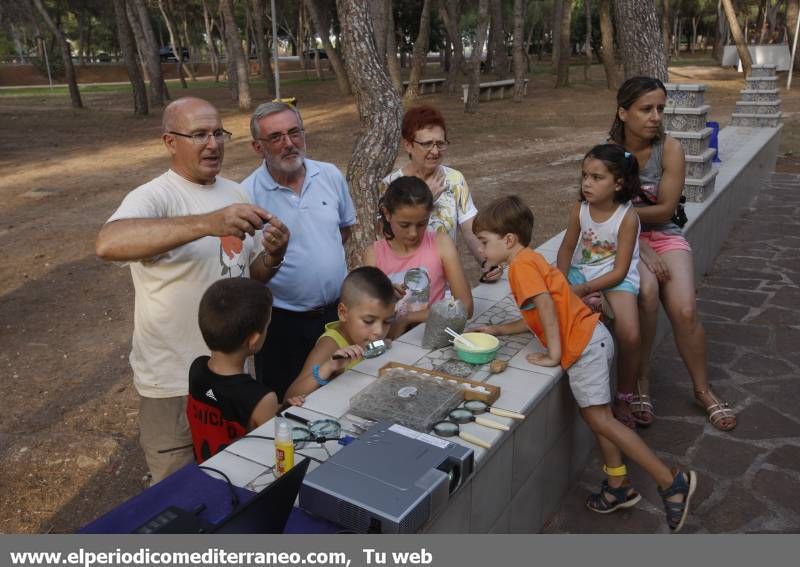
{"x": 430, "y": 144}
{"x": 295, "y": 135}
{"x": 202, "y": 138}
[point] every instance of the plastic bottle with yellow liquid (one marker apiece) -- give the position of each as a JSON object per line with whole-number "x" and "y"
{"x": 284, "y": 448}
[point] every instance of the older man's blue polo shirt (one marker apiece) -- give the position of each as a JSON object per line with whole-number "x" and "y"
{"x": 314, "y": 266}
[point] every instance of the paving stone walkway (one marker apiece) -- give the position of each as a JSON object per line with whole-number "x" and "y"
{"x": 750, "y": 306}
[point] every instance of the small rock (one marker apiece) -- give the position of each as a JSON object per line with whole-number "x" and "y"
{"x": 84, "y": 462}
{"x": 497, "y": 366}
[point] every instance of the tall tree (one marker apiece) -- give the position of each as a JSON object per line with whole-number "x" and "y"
{"x": 450, "y": 12}
{"x": 607, "y": 51}
{"x": 380, "y": 22}
{"x": 558, "y": 15}
{"x": 420, "y": 54}
{"x": 642, "y": 47}
{"x": 738, "y": 38}
{"x": 175, "y": 45}
{"x": 520, "y": 9}
{"x": 233, "y": 47}
{"x": 720, "y": 33}
{"x": 792, "y": 13}
{"x": 587, "y": 12}
{"x": 665, "y": 30}
{"x": 320, "y": 18}
{"x": 497, "y": 37}
{"x": 66, "y": 54}
{"x": 481, "y": 30}
{"x": 565, "y": 46}
{"x": 158, "y": 87}
{"x": 380, "y": 114}
{"x": 128, "y": 47}
{"x": 259, "y": 8}
{"x": 391, "y": 52}
{"x": 208, "y": 22}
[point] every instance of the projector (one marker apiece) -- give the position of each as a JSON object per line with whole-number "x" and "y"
{"x": 391, "y": 480}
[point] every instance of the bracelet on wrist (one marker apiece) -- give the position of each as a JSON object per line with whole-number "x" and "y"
{"x": 319, "y": 379}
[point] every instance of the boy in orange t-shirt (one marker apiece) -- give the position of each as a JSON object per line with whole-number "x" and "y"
{"x": 577, "y": 341}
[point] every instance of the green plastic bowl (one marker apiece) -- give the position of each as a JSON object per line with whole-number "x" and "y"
{"x": 489, "y": 345}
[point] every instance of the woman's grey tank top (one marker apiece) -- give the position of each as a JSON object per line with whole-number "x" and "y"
{"x": 650, "y": 176}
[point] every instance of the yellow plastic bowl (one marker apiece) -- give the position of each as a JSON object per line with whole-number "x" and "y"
{"x": 488, "y": 345}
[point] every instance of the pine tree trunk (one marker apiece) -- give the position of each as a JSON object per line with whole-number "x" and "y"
{"x": 665, "y": 28}
{"x": 128, "y": 47}
{"x": 66, "y": 54}
{"x": 693, "y": 42}
{"x": 720, "y": 33}
{"x": 323, "y": 29}
{"x": 481, "y": 30}
{"x": 450, "y": 12}
{"x": 762, "y": 37}
{"x": 380, "y": 20}
{"x": 419, "y": 57}
{"x": 176, "y": 47}
{"x": 212, "y": 48}
{"x": 518, "y": 50}
{"x": 607, "y": 39}
{"x": 380, "y": 113}
{"x": 558, "y": 15}
{"x": 642, "y": 47}
{"x": 391, "y": 52}
{"x": 264, "y": 55}
{"x": 587, "y": 8}
{"x": 187, "y": 41}
{"x": 233, "y": 45}
{"x": 792, "y": 12}
{"x": 498, "y": 40}
{"x": 736, "y": 32}
{"x": 565, "y": 47}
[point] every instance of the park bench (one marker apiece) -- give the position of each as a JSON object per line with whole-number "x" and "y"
{"x": 495, "y": 87}
{"x": 427, "y": 85}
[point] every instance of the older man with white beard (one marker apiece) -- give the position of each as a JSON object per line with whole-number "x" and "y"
{"x": 313, "y": 200}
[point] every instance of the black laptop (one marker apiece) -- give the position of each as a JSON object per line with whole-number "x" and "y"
{"x": 266, "y": 513}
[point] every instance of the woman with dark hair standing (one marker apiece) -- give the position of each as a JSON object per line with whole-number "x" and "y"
{"x": 666, "y": 268}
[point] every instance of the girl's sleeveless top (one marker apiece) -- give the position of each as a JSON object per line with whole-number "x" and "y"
{"x": 426, "y": 259}
{"x": 597, "y": 248}
{"x": 650, "y": 176}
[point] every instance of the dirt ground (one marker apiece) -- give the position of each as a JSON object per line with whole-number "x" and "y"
{"x": 68, "y": 425}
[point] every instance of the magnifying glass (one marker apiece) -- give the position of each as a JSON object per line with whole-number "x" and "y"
{"x": 416, "y": 280}
{"x": 463, "y": 415}
{"x": 477, "y": 407}
{"x": 319, "y": 431}
{"x": 448, "y": 428}
{"x": 371, "y": 350}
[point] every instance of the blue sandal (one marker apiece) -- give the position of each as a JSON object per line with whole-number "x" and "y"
{"x": 684, "y": 484}
{"x": 623, "y": 497}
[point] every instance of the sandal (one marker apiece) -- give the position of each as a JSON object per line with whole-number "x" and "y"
{"x": 623, "y": 497}
{"x": 641, "y": 405}
{"x": 626, "y": 419}
{"x": 718, "y": 410}
{"x": 684, "y": 484}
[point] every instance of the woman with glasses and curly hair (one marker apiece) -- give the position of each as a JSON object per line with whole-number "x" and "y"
{"x": 666, "y": 268}
{"x": 424, "y": 139}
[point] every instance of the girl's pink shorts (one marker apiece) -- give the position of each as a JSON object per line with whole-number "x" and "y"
{"x": 661, "y": 242}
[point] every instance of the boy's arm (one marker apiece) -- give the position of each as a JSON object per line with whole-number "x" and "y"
{"x": 626, "y": 243}
{"x": 265, "y": 410}
{"x": 570, "y": 240}
{"x": 549, "y": 319}
{"x": 321, "y": 354}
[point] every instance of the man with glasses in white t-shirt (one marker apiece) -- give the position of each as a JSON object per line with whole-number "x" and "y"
{"x": 179, "y": 233}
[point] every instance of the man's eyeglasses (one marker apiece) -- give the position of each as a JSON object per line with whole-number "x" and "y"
{"x": 295, "y": 135}
{"x": 201, "y": 139}
{"x": 430, "y": 144}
